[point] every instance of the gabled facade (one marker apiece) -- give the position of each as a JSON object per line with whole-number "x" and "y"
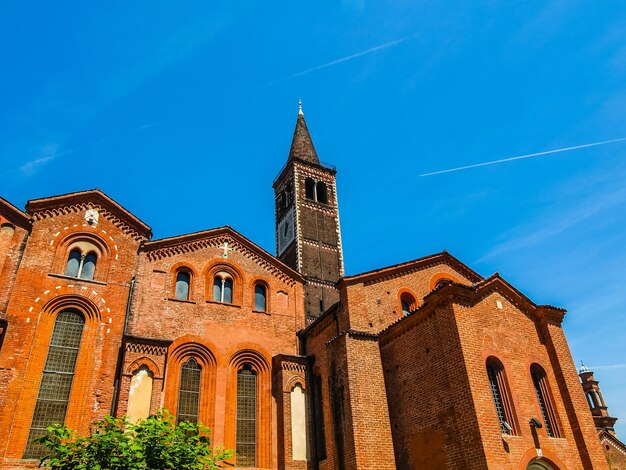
{"x": 420, "y": 365}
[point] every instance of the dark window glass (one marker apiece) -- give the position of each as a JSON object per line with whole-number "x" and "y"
{"x": 182, "y": 285}
{"x": 322, "y": 193}
{"x": 309, "y": 189}
{"x": 543, "y": 397}
{"x": 407, "y": 302}
{"x": 260, "y": 303}
{"x": 228, "y": 291}
{"x": 217, "y": 289}
{"x": 73, "y": 263}
{"x": 56, "y": 382}
{"x": 89, "y": 266}
{"x": 492, "y": 373}
{"x": 189, "y": 392}
{"x": 246, "y": 418}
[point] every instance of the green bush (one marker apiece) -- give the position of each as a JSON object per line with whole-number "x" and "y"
{"x": 114, "y": 444}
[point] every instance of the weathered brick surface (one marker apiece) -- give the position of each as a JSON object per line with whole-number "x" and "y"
{"x": 40, "y": 291}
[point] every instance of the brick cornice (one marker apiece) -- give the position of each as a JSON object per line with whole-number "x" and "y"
{"x": 213, "y": 238}
{"x": 455, "y": 293}
{"x": 55, "y": 206}
{"x": 419, "y": 264}
{"x": 13, "y": 214}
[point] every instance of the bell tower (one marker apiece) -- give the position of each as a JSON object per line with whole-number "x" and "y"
{"x": 595, "y": 400}
{"x": 308, "y": 237}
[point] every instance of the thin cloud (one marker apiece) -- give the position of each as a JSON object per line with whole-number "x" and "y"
{"x": 29, "y": 168}
{"x": 381, "y": 47}
{"x": 522, "y": 157}
{"x": 608, "y": 366}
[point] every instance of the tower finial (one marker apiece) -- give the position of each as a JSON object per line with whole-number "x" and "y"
{"x": 300, "y": 112}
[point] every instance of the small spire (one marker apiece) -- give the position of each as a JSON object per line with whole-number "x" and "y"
{"x": 583, "y": 368}
{"x": 302, "y": 145}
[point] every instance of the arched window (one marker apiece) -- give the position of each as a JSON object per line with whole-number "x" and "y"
{"x": 80, "y": 265}
{"x": 223, "y": 288}
{"x": 501, "y": 396}
{"x": 246, "y": 417}
{"x": 408, "y": 304}
{"x": 56, "y": 382}
{"x": 73, "y": 263}
{"x": 309, "y": 189}
{"x": 189, "y": 392}
{"x": 182, "y": 285}
{"x": 89, "y": 266}
{"x": 542, "y": 391}
{"x": 260, "y": 298}
{"x": 321, "y": 193}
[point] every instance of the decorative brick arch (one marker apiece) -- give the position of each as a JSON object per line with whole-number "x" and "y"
{"x": 104, "y": 250}
{"x": 195, "y": 281}
{"x": 83, "y": 373}
{"x": 143, "y": 361}
{"x": 235, "y": 272}
{"x": 265, "y": 282}
{"x": 548, "y": 457}
{"x": 254, "y": 356}
{"x": 180, "y": 351}
{"x": 406, "y": 294}
{"x": 443, "y": 277}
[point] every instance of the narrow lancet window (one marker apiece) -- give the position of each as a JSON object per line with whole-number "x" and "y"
{"x": 73, "y": 263}
{"x": 56, "y": 382}
{"x": 542, "y": 391}
{"x": 246, "y": 417}
{"x": 501, "y": 400}
{"x": 182, "y": 285}
{"x": 189, "y": 392}
{"x": 260, "y": 298}
{"x": 89, "y": 266}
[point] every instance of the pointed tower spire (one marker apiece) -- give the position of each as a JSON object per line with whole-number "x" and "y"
{"x": 302, "y": 144}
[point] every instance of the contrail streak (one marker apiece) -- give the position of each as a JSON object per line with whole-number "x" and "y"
{"x": 521, "y": 157}
{"x": 387, "y": 45}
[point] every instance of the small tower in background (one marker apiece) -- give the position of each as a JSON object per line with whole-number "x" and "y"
{"x": 308, "y": 238}
{"x": 595, "y": 400}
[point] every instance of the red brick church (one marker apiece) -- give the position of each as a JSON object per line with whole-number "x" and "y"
{"x": 421, "y": 365}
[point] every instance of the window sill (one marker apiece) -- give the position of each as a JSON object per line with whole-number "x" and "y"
{"x": 222, "y": 303}
{"x": 77, "y": 279}
{"x": 182, "y": 301}
{"x": 262, "y": 312}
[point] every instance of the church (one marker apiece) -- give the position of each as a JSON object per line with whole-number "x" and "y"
{"x": 292, "y": 363}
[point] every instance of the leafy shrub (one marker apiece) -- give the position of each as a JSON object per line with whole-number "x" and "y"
{"x": 155, "y": 443}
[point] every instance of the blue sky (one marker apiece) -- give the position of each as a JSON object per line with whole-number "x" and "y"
{"x": 183, "y": 112}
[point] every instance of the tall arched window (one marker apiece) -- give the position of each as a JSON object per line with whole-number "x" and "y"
{"x": 309, "y": 189}
{"x": 223, "y": 288}
{"x": 542, "y": 391}
{"x": 260, "y": 298}
{"x": 246, "y": 417}
{"x": 183, "y": 279}
{"x": 408, "y": 303}
{"x": 189, "y": 392}
{"x": 501, "y": 396}
{"x": 321, "y": 193}
{"x": 81, "y": 265}
{"x": 56, "y": 382}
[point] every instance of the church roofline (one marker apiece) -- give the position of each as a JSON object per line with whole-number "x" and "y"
{"x": 14, "y": 214}
{"x": 450, "y": 292}
{"x": 97, "y": 196}
{"x": 605, "y": 435}
{"x": 407, "y": 266}
{"x": 188, "y": 238}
